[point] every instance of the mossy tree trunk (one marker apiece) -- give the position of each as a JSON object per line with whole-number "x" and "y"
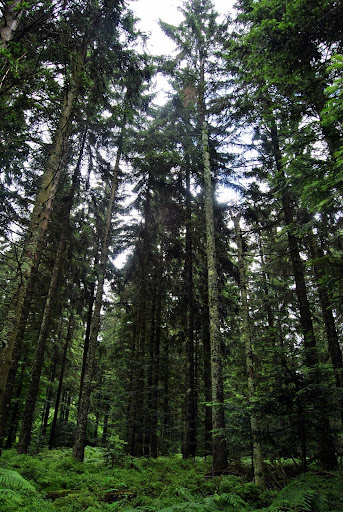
{"x": 26, "y": 428}
{"x": 219, "y": 456}
{"x": 81, "y": 428}
{"x": 246, "y": 339}
{"x": 190, "y": 445}
{"x": 60, "y": 381}
{"x": 327, "y": 454}
{"x": 37, "y": 230}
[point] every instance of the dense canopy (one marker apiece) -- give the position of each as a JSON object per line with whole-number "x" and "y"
{"x": 220, "y": 331}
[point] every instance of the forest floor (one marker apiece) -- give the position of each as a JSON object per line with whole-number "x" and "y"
{"x": 54, "y": 481}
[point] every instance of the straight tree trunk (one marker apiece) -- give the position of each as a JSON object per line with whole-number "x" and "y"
{"x": 60, "y": 382}
{"x": 317, "y": 254}
{"x": 81, "y": 428}
{"x": 49, "y": 393}
{"x": 219, "y": 456}
{"x": 306, "y": 324}
{"x": 245, "y": 336}
{"x": 327, "y": 453}
{"x": 15, "y": 412}
{"x": 205, "y": 333}
{"x": 139, "y": 391}
{"x": 190, "y": 445}
{"x": 148, "y": 425}
{"x": 156, "y": 367}
{"x": 106, "y": 418}
{"x": 88, "y": 328}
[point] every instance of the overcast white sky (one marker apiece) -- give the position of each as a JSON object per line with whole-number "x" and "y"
{"x": 150, "y": 11}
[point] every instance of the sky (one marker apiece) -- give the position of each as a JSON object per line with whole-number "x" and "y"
{"x": 150, "y": 11}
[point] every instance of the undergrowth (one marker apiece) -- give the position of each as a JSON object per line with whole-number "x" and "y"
{"x": 53, "y": 481}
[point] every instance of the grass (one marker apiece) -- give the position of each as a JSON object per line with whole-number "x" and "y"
{"x": 53, "y": 481}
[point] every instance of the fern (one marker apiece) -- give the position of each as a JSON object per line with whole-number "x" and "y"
{"x": 307, "y": 493}
{"x": 13, "y": 487}
{"x": 11, "y": 480}
{"x": 231, "y": 502}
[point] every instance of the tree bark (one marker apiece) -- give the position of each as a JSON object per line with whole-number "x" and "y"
{"x": 81, "y": 428}
{"x": 11, "y": 14}
{"x": 60, "y": 382}
{"x": 190, "y": 445}
{"x": 219, "y": 456}
{"x": 26, "y": 429}
{"x": 246, "y": 339}
{"x": 38, "y": 228}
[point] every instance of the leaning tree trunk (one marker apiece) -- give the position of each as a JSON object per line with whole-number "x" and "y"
{"x": 16, "y": 355}
{"x": 26, "y": 428}
{"x": 38, "y": 228}
{"x": 219, "y": 462}
{"x": 12, "y": 11}
{"x": 335, "y": 352}
{"x": 81, "y": 428}
{"x": 245, "y": 336}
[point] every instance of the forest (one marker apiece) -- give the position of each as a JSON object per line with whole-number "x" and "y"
{"x": 171, "y": 299}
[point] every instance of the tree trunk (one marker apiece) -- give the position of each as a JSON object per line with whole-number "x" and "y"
{"x": 15, "y": 412}
{"x": 245, "y": 336}
{"x": 327, "y": 453}
{"x": 81, "y": 428}
{"x": 306, "y": 324}
{"x": 30, "y": 404}
{"x": 49, "y": 392}
{"x": 205, "y": 333}
{"x": 156, "y": 366}
{"x": 190, "y": 445}
{"x": 219, "y": 462}
{"x": 26, "y": 429}
{"x": 317, "y": 254}
{"x": 11, "y": 14}
{"x": 17, "y": 353}
{"x": 138, "y": 412}
{"x": 88, "y": 328}
{"x": 60, "y": 382}
{"x": 38, "y": 228}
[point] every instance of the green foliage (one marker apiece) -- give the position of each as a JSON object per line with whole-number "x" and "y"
{"x": 17, "y": 494}
{"x": 114, "y": 450}
{"x": 165, "y": 484}
{"x": 309, "y": 493}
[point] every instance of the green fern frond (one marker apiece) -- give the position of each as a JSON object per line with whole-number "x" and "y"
{"x": 184, "y": 493}
{"x": 233, "y": 501}
{"x": 303, "y": 494}
{"x": 11, "y": 480}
